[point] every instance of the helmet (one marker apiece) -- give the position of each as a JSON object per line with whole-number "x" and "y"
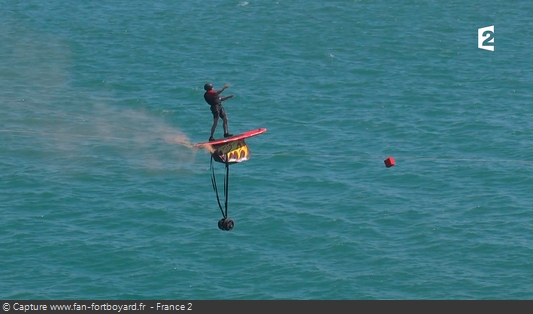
{"x": 208, "y": 86}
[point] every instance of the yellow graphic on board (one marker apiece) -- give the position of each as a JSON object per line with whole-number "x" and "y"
{"x": 236, "y": 151}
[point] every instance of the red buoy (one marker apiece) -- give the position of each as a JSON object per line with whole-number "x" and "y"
{"x": 389, "y": 162}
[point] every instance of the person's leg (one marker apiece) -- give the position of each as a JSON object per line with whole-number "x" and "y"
{"x": 215, "y": 113}
{"x": 225, "y": 122}
{"x": 213, "y": 129}
{"x": 225, "y": 119}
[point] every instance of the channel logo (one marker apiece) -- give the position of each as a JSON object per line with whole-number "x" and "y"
{"x": 485, "y": 38}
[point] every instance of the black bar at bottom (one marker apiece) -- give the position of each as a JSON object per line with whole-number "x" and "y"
{"x": 274, "y": 306}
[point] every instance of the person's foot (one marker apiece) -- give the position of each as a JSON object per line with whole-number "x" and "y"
{"x": 211, "y": 139}
{"x": 228, "y": 135}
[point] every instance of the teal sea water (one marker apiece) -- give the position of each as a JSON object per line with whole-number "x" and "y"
{"x": 100, "y": 200}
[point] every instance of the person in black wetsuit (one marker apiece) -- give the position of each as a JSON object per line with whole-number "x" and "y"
{"x": 213, "y": 98}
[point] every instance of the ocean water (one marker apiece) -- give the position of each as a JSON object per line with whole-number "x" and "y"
{"x": 101, "y": 199}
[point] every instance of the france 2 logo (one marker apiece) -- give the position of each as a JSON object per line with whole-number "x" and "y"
{"x": 485, "y": 38}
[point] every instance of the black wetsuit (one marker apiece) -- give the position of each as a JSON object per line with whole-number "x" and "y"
{"x": 213, "y": 99}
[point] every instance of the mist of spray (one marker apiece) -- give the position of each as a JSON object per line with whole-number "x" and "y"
{"x": 71, "y": 124}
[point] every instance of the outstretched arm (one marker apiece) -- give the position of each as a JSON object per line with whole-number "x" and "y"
{"x": 227, "y": 97}
{"x": 223, "y": 88}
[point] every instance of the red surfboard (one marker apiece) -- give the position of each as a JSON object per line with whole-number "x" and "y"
{"x": 233, "y": 138}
